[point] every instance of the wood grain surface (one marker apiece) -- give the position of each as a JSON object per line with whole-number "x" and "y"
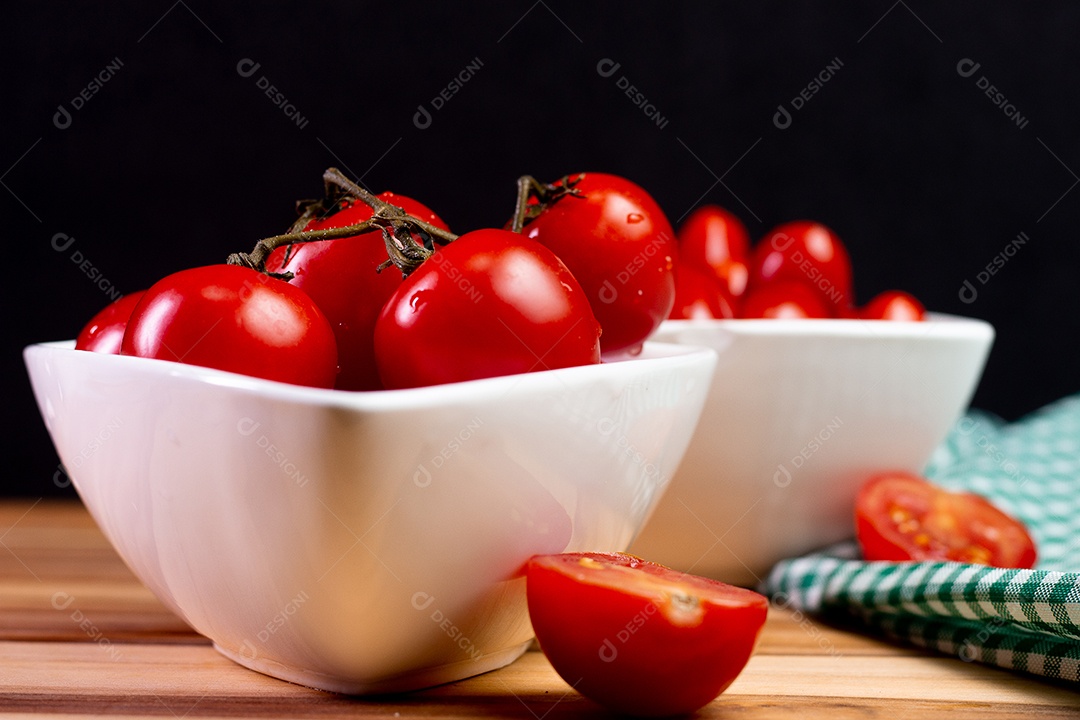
{"x": 80, "y": 636}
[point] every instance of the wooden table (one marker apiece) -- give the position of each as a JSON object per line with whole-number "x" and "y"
{"x": 79, "y": 635}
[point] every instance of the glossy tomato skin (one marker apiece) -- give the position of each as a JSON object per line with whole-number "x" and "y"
{"x": 638, "y": 637}
{"x": 490, "y": 303}
{"x": 714, "y": 238}
{"x": 699, "y": 295}
{"x": 901, "y": 517}
{"x": 105, "y": 330}
{"x": 894, "y": 305}
{"x": 236, "y": 319}
{"x": 783, "y": 300}
{"x": 806, "y": 252}
{"x": 341, "y": 276}
{"x": 621, "y": 248}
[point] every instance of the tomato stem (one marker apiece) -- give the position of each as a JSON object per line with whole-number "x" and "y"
{"x": 399, "y": 229}
{"x": 256, "y": 259}
{"x": 334, "y": 178}
{"x": 528, "y": 188}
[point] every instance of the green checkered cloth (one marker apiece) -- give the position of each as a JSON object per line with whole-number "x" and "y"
{"x": 1026, "y": 620}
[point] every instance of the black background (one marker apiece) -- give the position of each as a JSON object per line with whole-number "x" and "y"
{"x": 178, "y": 159}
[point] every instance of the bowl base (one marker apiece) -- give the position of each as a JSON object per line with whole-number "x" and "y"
{"x": 405, "y": 682}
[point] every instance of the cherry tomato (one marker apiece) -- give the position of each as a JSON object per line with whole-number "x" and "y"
{"x": 341, "y": 277}
{"x": 620, "y": 246}
{"x": 807, "y": 252}
{"x": 893, "y": 305}
{"x": 716, "y": 239}
{"x": 903, "y": 517}
{"x": 783, "y": 300}
{"x": 490, "y": 303}
{"x": 106, "y": 329}
{"x": 236, "y": 319}
{"x": 638, "y": 637}
{"x": 699, "y": 295}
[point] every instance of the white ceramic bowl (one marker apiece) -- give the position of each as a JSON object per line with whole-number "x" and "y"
{"x": 800, "y": 413}
{"x": 363, "y": 542}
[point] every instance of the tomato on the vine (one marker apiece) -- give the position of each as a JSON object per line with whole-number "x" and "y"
{"x": 901, "y": 517}
{"x": 638, "y": 637}
{"x": 893, "y": 305}
{"x": 236, "y": 319}
{"x": 699, "y": 295}
{"x": 490, "y": 303}
{"x": 105, "y": 330}
{"x": 806, "y": 252}
{"x": 620, "y": 246}
{"x": 341, "y": 276}
{"x": 714, "y": 238}
{"x": 783, "y": 300}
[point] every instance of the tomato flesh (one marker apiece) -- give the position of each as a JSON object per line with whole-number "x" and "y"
{"x": 715, "y": 239}
{"x": 621, "y": 248}
{"x": 699, "y": 295}
{"x": 783, "y": 300}
{"x": 490, "y": 303}
{"x": 638, "y": 637}
{"x": 902, "y": 517}
{"x": 894, "y": 305}
{"x": 236, "y": 319}
{"x": 105, "y": 331}
{"x": 343, "y": 279}
{"x": 806, "y": 252}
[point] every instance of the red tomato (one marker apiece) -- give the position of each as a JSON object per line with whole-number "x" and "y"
{"x": 620, "y": 246}
{"x": 236, "y": 319}
{"x": 106, "y": 329}
{"x": 341, "y": 277}
{"x": 716, "y": 239}
{"x": 783, "y": 300}
{"x": 638, "y": 637}
{"x": 893, "y": 305}
{"x": 490, "y": 303}
{"x": 699, "y": 295}
{"x": 903, "y": 517}
{"x": 807, "y": 252}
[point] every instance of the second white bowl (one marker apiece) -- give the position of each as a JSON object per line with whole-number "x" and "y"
{"x": 800, "y": 413}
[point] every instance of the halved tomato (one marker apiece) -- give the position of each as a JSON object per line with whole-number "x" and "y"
{"x": 638, "y": 637}
{"x": 903, "y": 517}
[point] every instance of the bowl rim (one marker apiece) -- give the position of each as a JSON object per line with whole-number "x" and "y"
{"x": 483, "y": 389}
{"x": 936, "y": 326}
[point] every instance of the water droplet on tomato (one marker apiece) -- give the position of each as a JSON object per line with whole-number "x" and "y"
{"x": 634, "y": 218}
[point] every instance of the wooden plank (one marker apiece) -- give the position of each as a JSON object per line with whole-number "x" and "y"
{"x": 79, "y": 677}
{"x": 57, "y": 570}
{"x": 114, "y": 649}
